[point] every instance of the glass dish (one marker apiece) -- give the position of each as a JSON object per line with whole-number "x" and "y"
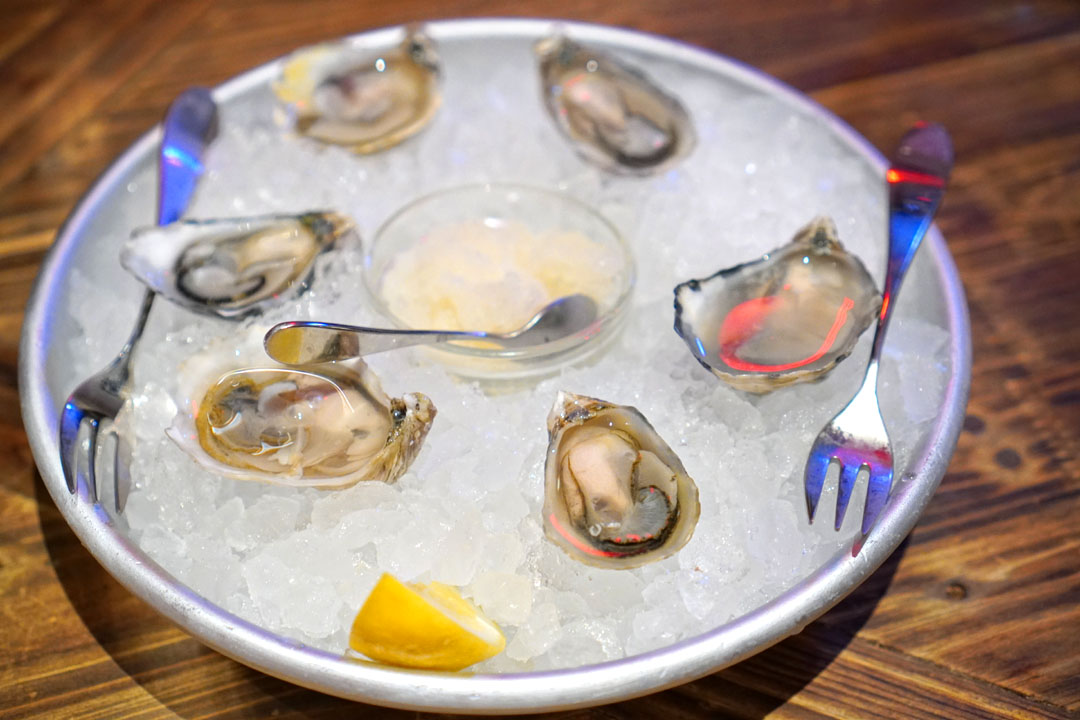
{"x": 503, "y": 208}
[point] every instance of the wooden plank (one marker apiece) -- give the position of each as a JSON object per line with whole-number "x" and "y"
{"x": 1020, "y": 94}
{"x": 871, "y": 682}
{"x": 102, "y": 44}
{"x": 996, "y": 550}
{"x": 24, "y": 23}
{"x": 975, "y": 617}
{"x": 783, "y": 38}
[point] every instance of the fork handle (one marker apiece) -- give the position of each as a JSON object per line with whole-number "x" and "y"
{"x": 189, "y": 127}
{"x": 120, "y": 369}
{"x": 916, "y": 181}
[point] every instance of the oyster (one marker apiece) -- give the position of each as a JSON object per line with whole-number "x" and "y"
{"x": 613, "y": 115}
{"x": 233, "y": 267}
{"x": 788, "y": 317}
{"x": 367, "y": 101}
{"x": 615, "y": 494}
{"x": 330, "y": 426}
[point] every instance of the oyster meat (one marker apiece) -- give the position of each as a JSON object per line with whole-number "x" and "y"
{"x": 235, "y": 267}
{"x": 613, "y": 114}
{"x": 328, "y": 426}
{"x": 615, "y": 494}
{"x": 342, "y": 95}
{"x": 788, "y": 317}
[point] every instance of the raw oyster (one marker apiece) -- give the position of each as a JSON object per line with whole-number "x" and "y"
{"x": 233, "y": 267}
{"x": 613, "y": 115}
{"x": 245, "y": 417}
{"x": 343, "y": 95}
{"x": 615, "y": 494}
{"x": 788, "y": 317}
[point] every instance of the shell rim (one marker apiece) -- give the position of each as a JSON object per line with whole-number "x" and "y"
{"x": 760, "y": 383}
{"x": 686, "y": 139}
{"x": 231, "y": 310}
{"x": 558, "y": 426}
{"x": 398, "y": 133}
{"x": 490, "y": 694}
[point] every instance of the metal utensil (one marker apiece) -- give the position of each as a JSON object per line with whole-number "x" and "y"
{"x": 190, "y": 125}
{"x": 300, "y": 343}
{"x": 856, "y": 438}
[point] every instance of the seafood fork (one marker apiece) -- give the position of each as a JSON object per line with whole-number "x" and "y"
{"x": 190, "y": 125}
{"x": 856, "y": 438}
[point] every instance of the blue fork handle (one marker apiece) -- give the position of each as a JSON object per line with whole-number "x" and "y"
{"x": 916, "y": 181}
{"x": 190, "y": 125}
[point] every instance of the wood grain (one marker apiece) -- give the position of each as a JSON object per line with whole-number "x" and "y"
{"x": 976, "y": 615}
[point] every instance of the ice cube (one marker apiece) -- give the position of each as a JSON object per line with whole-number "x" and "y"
{"x": 505, "y": 597}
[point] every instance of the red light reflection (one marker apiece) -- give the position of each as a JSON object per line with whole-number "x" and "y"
{"x": 895, "y": 176}
{"x": 746, "y": 320}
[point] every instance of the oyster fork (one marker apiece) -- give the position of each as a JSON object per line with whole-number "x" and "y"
{"x": 856, "y": 437}
{"x": 190, "y": 125}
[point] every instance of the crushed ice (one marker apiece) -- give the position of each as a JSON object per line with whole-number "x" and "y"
{"x": 300, "y": 562}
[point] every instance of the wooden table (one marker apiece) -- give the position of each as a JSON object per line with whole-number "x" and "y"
{"x": 975, "y": 615}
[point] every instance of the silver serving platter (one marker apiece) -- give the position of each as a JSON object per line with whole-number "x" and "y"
{"x": 46, "y": 377}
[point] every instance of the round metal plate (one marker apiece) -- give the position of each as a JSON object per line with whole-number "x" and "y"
{"x": 45, "y": 379}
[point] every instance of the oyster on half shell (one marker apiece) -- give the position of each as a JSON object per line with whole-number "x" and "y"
{"x": 368, "y": 101}
{"x": 615, "y": 494}
{"x": 233, "y": 267}
{"x": 612, "y": 113}
{"x": 788, "y": 317}
{"x": 243, "y": 416}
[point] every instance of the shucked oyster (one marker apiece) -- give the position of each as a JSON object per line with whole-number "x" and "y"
{"x": 232, "y": 267}
{"x": 788, "y": 317}
{"x": 615, "y": 494}
{"x": 614, "y": 115}
{"x": 367, "y": 101}
{"x": 245, "y": 417}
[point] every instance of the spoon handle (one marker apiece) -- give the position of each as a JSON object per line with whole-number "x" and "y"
{"x": 917, "y": 177}
{"x": 301, "y": 343}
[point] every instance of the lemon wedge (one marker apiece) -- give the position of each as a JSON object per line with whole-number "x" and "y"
{"x": 423, "y": 626}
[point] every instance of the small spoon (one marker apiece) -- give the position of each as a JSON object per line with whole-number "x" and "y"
{"x": 306, "y": 342}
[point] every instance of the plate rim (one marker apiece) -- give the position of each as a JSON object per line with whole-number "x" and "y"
{"x": 626, "y": 678}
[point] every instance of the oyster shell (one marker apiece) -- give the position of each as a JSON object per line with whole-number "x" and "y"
{"x": 613, "y": 114}
{"x": 245, "y": 417}
{"x": 367, "y": 101}
{"x": 233, "y": 267}
{"x": 788, "y": 317}
{"x": 615, "y": 494}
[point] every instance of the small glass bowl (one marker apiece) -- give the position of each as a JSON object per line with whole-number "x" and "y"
{"x": 495, "y": 205}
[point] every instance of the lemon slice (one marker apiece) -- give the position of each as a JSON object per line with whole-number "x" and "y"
{"x": 423, "y": 626}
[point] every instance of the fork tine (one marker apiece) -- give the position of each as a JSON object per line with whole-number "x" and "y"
{"x": 848, "y": 474}
{"x": 121, "y": 472}
{"x": 70, "y": 420}
{"x": 877, "y": 494}
{"x": 90, "y": 466}
{"x": 817, "y": 467}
